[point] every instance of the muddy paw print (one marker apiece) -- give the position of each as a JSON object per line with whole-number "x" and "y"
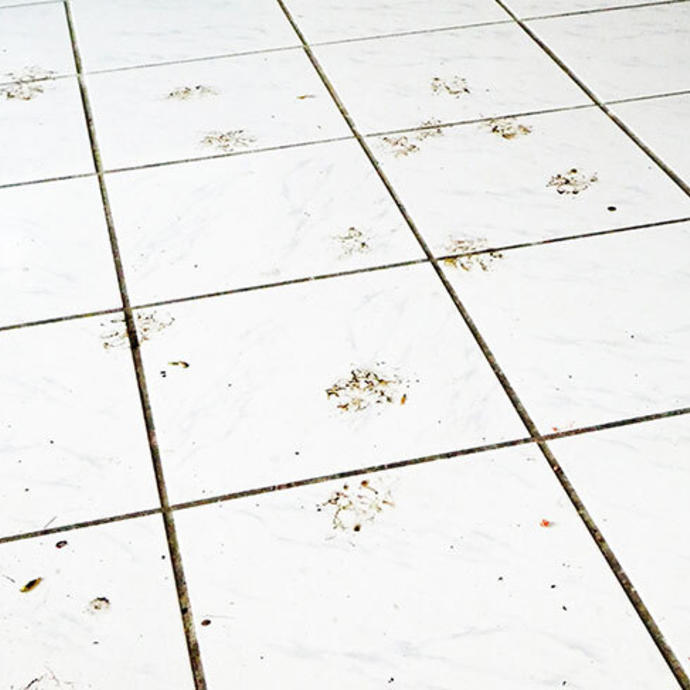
{"x": 364, "y": 388}
{"x": 26, "y": 85}
{"x": 228, "y": 141}
{"x": 356, "y": 504}
{"x": 508, "y": 128}
{"x": 482, "y": 260}
{"x": 401, "y": 146}
{"x": 353, "y": 242}
{"x": 572, "y": 182}
{"x": 454, "y": 86}
{"x": 185, "y": 93}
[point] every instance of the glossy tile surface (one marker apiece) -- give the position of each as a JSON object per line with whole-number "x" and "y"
{"x": 660, "y": 123}
{"x": 538, "y": 8}
{"x": 624, "y": 54}
{"x": 503, "y": 182}
{"x": 42, "y": 131}
{"x": 337, "y": 20}
{"x": 447, "y": 76}
{"x": 34, "y": 41}
{"x": 55, "y": 256}
{"x": 271, "y": 390}
{"x": 582, "y": 330}
{"x": 72, "y": 441}
{"x": 124, "y": 33}
{"x": 435, "y": 585}
{"x": 203, "y": 227}
{"x": 635, "y": 482}
{"x": 213, "y": 107}
{"x": 103, "y": 615}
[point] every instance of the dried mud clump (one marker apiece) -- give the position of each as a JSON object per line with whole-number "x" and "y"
{"x": 26, "y": 85}
{"x": 356, "y": 504}
{"x": 572, "y": 182}
{"x": 455, "y": 86}
{"x": 482, "y": 260}
{"x": 228, "y": 141}
{"x": 508, "y": 128}
{"x": 364, "y": 388}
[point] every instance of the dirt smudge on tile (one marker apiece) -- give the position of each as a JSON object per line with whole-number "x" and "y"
{"x": 364, "y": 388}
{"x": 228, "y": 141}
{"x": 27, "y": 84}
{"x": 508, "y": 128}
{"x": 148, "y": 324}
{"x": 483, "y": 259}
{"x": 455, "y": 86}
{"x": 353, "y": 242}
{"x": 572, "y": 182}
{"x": 185, "y": 93}
{"x": 356, "y": 504}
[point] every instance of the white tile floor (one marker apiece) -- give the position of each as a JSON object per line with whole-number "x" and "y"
{"x": 358, "y": 366}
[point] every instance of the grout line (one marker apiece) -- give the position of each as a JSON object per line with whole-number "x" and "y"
{"x": 651, "y": 97}
{"x": 529, "y": 424}
{"x": 599, "y": 10}
{"x": 167, "y": 515}
{"x": 396, "y": 464}
{"x": 29, "y": 4}
{"x": 340, "y": 274}
{"x": 590, "y": 94}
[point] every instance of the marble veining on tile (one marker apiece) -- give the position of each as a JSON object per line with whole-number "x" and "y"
{"x": 252, "y": 101}
{"x": 413, "y": 579}
{"x": 198, "y": 228}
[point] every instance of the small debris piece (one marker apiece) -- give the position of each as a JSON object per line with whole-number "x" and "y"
{"x": 228, "y": 141}
{"x": 546, "y": 523}
{"x": 61, "y": 544}
{"x": 179, "y": 363}
{"x": 305, "y": 96}
{"x": 455, "y": 86}
{"x": 32, "y": 584}
{"x": 403, "y": 399}
{"x": 206, "y": 622}
{"x": 99, "y": 604}
{"x": 572, "y": 182}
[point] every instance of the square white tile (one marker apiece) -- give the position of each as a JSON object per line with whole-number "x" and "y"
{"x": 337, "y": 20}
{"x": 304, "y": 380}
{"x": 175, "y": 112}
{"x": 537, "y": 8}
{"x": 122, "y": 33}
{"x": 104, "y": 615}
{"x": 624, "y": 54}
{"x": 55, "y": 257}
{"x": 589, "y": 330}
{"x": 202, "y": 227}
{"x": 72, "y": 438}
{"x": 505, "y": 181}
{"x": 450, "y": 581}
{"x": 661, "y": 123}
{"x": 34, "y": 42}
{"x": 449, "y": 76}
{"x": 42, "y": 131}
{"x": 635, "y": 482}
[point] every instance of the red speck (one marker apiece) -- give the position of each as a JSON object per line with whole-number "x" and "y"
{"x": 545, "y": 523}
{"x": 554, "y": 428}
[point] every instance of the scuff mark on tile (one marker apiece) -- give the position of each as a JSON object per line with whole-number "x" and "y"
{"x": 27, "y": 84}
{"x": 228, "y": 141}
{"x": 184, "y": 93}
{"x": 353, "y": 242}
{"x": 572, "y": 182}
{"x": 364, "y": 388}
{"x": 47, "y": 681}
{"x": 482, "y": 260}
{"x": 356, "y": 504}
{"x": 508, "y": 127}
{"x": 454, "y": 86}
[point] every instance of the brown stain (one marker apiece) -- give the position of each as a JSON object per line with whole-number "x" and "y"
{"x": 305, "y": 96}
